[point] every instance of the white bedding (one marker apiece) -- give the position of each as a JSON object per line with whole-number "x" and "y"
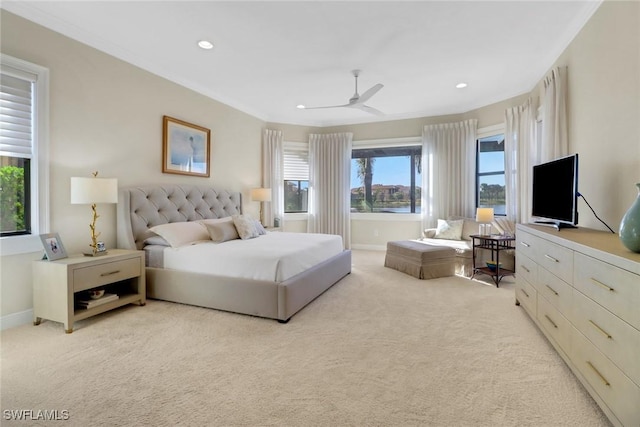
{"x": 274, "y": 256}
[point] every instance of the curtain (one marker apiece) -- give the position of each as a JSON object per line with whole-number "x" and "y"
{"x": 520, "y": 156}
{"x": 329, "y": 185}
{"x": 555, "y": 142}
{"x": 273, "y": 176}
{"x": 448, "y": 171}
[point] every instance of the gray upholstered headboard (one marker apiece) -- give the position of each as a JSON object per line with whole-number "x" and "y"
{"x": 142, "y": 207}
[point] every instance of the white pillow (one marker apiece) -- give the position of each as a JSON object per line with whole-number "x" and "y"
{"x": 221, "y": 230}
{"x": 450, "y": 230}
{"x": 246, "y": 226}
{"x": 182, "y": 233}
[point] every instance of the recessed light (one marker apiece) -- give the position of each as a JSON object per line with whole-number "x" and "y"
{"x": 461, "y": 85}
{"x": 300, "y": 107}
{"x": 204, "y": 44}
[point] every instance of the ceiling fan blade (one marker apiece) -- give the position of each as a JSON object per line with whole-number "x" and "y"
{"x": 369, "y": 93}
{"x": 328, "y": 106}
{"x": 367, "y": 109}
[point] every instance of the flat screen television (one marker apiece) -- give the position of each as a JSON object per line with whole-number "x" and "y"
{"x": 555, "y": 192}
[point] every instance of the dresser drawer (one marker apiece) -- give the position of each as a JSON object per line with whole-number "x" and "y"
{"x": 618, "y": 392}
{"x": 618, "y": 340}
{"x": 108, "y": 272}
{"x": 615, "y": 289}
{"x": 555, "y": 258}
{"x": 526, "y": 268}
{"x": 526, "y": 244}
{"x": 526, "y": 295}
{"x": 555, "y": 324}
{"x": 555, "y": 290}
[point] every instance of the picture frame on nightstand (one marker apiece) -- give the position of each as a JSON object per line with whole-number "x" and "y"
{"x": 53, "y": 247}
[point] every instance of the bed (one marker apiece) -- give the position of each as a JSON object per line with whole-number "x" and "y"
{"x": 259, "y": 286}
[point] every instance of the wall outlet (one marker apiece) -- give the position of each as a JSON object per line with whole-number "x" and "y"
{"x": 375, "y": 232}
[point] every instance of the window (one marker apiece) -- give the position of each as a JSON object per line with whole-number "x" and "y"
{"x": 23, "y": 155}
{"x": 490, "y": 178}
{"x": 386, "y": 179}
{"x": 296, "y": 177}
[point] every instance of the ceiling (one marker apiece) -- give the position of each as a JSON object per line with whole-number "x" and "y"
{"x": 269, "y": 56}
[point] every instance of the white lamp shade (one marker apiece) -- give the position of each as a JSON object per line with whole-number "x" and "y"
{"x": 484, "y": 215}
{"x": 261, "y": 194}
{"x": 87, "y": 191}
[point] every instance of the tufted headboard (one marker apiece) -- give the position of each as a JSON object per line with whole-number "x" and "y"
{"x": 142, "y": 207}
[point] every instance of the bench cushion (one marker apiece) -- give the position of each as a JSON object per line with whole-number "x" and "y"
{"x": 420, "y": 260}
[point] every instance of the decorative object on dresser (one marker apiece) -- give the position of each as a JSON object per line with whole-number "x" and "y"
{"x": 630, "y": 226}
{"x": 485, "y": 217}
{"x": 582, "y": 289}
{"x": 91, "y": 191}
{"x": 61, "y": 288}
{"x": 261, "y": 195}
{"x": 185, "y": 148}
{"x": 53, "y": 247}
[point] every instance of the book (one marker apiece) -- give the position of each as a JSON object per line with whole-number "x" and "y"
{"x": 90, "y": 303}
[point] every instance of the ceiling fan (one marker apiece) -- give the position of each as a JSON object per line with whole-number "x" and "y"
{"x": 357, "y": 100}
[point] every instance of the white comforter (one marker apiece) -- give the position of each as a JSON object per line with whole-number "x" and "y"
{"x": 274, "y": 257}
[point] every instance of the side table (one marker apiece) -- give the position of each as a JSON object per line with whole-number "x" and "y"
{"x": 495, "y": 243}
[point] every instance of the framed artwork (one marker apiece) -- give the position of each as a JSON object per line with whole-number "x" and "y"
{"x": 53, "y": 246}
{"x": 185, "y": 148}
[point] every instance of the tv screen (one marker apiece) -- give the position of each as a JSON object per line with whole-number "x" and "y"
{"x": 555, "y": 191}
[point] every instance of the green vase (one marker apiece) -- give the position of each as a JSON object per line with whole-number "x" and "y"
{"x": 630, "y": 226}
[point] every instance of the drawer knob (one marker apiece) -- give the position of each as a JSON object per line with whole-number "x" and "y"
{"x": 602, "y": 378}
{"x": 599, "y": 329}
{"x": 602, "y": 285}
{"x": 524, "y": 292}
{"x": 110, "y": 273}
{"x": 551, "y": 321}
{"x": 552, "y": 290}
{"x": 525, "y": 244}
{"x": 525, "y": 268}
{"x": 551, "y": 258}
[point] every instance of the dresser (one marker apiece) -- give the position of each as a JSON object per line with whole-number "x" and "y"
{"x": 582, "y": 289}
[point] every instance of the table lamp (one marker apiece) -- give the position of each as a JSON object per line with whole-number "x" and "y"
{"x": 91, "y": 191}
{"x": 485, "y": 217}
{"x": 261, "y": 195}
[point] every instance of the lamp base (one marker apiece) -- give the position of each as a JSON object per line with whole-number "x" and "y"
{"x": 95, "y": 253}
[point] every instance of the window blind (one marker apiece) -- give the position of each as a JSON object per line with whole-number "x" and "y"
{"x": 296, "y": 161}
{"x": 16, "y": 112}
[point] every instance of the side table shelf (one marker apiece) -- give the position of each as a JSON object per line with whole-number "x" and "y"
{"x": 495, "y": 243}
{"x": 58, "y": 284}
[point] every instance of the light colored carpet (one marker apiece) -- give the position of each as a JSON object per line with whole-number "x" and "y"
{"x": 380, "y": 348}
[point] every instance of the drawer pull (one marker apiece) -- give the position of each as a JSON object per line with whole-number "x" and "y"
{"x": 599, "y": 329}
{"x": 599, "y": 283}
{"x": 524, "y": 292}
{"x": 525, "y": 268}
{"x": 551, "y": 258}
{"x": 552, "y": 290}
{"x": 110, "y": 273}
{"x": 604, "y": 380}
{"x": 526, "y": 245}
{"x": 551, "y": 321}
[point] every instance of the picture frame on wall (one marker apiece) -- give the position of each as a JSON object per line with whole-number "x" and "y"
{"x": 186, "y": 148}
{"x": 53, "y": 247}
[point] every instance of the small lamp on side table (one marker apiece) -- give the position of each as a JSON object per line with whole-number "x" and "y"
{"x": 485, "y": 217}
{"x": 91, "y": 191}
{"x": 261, "y": 195}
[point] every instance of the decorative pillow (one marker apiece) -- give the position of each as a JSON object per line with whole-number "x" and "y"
{"x": 450, "y": 230}
{"x": 156, "y": 240}
{"x": 260, "y": 228}
{"x": 182, "y": 233}
{"x": 246, "y": 226}
{"x": 222, "y": 231}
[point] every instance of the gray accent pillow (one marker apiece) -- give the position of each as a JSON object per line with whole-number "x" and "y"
{"x": 246, "y": 226}
{"x": 221, "y": 230}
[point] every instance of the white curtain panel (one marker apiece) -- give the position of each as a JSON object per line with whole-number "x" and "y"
{"x": 555, "y": 143}
{"x": 520, "y": 156}
{"x": 329, "y": 185}
{"x": 448, "y": 171}
{"x": 273, "y": 176}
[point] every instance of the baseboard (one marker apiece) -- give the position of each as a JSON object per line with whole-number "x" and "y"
{"x": 16, "y": 319}
{"x": 369, "y": 247}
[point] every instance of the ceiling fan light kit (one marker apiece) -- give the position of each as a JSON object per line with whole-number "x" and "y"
{"x": 357, "y": 100}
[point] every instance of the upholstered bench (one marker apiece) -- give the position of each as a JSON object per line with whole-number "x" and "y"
{"x": 421, "y": 260}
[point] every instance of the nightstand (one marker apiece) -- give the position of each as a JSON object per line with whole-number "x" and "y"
{"x": 57, "y": 285}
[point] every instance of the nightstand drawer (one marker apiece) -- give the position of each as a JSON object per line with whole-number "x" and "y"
{"x": 102, "y": 274}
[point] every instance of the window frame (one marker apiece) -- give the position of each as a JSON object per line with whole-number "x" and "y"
{"x": 386, "y": 143}
{"x": 39, "y": 164}
{"x": 483, "y": 133}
